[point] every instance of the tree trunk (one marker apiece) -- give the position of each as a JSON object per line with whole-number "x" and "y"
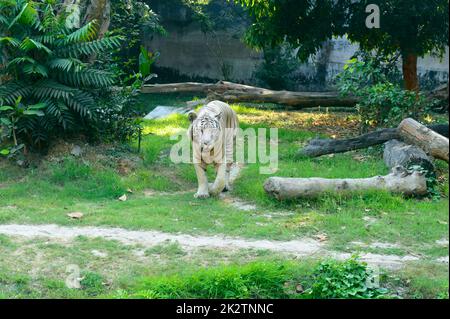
{"x": 431, "y": 142}
{"x": 397, "y": 153}
{"x": 398, "y": 181}
{"x": 319, "y": 147}
{"x": 99, "y": 10}
{"x": 410, "y": 77}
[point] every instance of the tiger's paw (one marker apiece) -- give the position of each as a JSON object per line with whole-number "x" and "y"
{"x": 201, "y": 195}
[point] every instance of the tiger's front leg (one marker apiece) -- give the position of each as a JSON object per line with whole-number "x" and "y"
{"x": 219, "y": 183}
{"x": 202, "y": 179}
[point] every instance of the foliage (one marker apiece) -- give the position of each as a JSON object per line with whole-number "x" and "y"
{"x": 11, "y": 117}
{"x": 131, "y": 20}
{"x": 45, "y": 62}
{"x": 119, "y": 109}
{"x": 146, "y": 60}
{"x": 416, "y": 28}
{"x": 330, "y": 279}
{"x": 382, "y": 103}
{"x": 254, "y": 280}
{"x": 349, "y": 279}
{"x": 92, "y": 283}
{"x": 116, "y": 118}
{"x": 278, "y": 68}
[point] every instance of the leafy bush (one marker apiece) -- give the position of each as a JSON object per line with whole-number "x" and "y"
{"x": 256, "y": 280}
{"x": 382, "y": 103}
{"x": 277, "y": 70}
{"x": 349, "y": 279}
{"x": 264, "y": 280}
{"x": 92, "y": 283}
{"x": 116, "y": 118}
{"x": 131, "y": 19}
{"x": 45, "y": 61}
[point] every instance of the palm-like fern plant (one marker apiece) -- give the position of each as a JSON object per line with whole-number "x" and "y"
{"x": 43, "y": 61}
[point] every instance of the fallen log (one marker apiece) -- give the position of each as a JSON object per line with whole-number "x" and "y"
{"x": 187, "y": 87}
{"x": 431, "y": 142}
{"x": 398, "y": 181}
{"x": 297, "y": 100}
{"x": 319, "y": 147}
{"x": 234, "y": 92}
{"x": 397, "y": 153}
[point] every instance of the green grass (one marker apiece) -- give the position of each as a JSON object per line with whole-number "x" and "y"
{"x": 45, "y": 194}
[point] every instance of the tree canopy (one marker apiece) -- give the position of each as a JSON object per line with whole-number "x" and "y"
{"x": 411, "y": 28}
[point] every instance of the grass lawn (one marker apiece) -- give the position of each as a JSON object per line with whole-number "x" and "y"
{"x": 160, "y": 197}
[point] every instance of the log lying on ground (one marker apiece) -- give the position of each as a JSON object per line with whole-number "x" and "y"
{"x": 398, "y": 181}
{"x": 319, "y": 147}
{"x": 297, "y": 100}
{"x": 397, "y": 153}
{"x": 187, "y": 87}
{"x": 431, "y": 142}
{"x": 233, "y": 92}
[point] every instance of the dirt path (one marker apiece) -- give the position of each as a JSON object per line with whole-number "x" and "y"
{"x": 301, "y": 247}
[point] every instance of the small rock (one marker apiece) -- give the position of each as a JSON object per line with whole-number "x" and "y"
{"x": 321, "y": 237}
{"x": 123, "y": 198}
{"x": 76, "y": 151}
{"x": 299, "y": 289}
{"x": 100, "y": 254}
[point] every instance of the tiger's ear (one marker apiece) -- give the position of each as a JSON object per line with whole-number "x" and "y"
{"x": 192, "y": 116}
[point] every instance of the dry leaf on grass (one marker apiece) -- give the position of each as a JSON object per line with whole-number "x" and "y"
{"x": 75, "y": 215}
{"x": 321, "y": 237}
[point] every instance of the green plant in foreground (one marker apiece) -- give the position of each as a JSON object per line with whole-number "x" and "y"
{"x": 46, "y": 62}
{"x": 331, "y": 279}
{"x": 349, "y": 279}
{"x": 11, "y": 116}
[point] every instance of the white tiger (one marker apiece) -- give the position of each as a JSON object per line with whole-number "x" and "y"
{"x": 213, "y": 131}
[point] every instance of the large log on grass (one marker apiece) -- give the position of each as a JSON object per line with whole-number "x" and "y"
{"x": 234, "y": 92}
{"x": 319, "y": 147}
{"x": 398, "y": 153}
{"x": 187, "y": 87}
{"x": 398, "y": 181}
{"x": 430, "y": 141}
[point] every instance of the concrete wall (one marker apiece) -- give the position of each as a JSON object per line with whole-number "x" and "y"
{"x": 217, "y": 56}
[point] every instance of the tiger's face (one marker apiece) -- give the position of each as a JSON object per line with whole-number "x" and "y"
{"x": 205, "y": 131}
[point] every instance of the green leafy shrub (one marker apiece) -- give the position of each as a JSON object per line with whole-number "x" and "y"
{"x": 92, "y": 283}
{"x": 116, "y": 115}
{"x": 131, "y": 19}
{"x": 278, "y": 69}
{"x": 382, "y": 103}
{"x": 349, "y": 279}
{"x": 256, "y": 280}
{"x": 46, "y": 62}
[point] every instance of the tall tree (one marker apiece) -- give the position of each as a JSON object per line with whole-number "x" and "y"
{"x": 411, "y": 28}
{"x": 98, "y": 10}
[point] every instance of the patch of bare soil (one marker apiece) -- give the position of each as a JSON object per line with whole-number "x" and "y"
{"x": 305, "y": 247}
{"x": 333, "y": 124}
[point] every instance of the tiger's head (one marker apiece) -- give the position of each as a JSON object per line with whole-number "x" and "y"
{"x": 205, "y": 130}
